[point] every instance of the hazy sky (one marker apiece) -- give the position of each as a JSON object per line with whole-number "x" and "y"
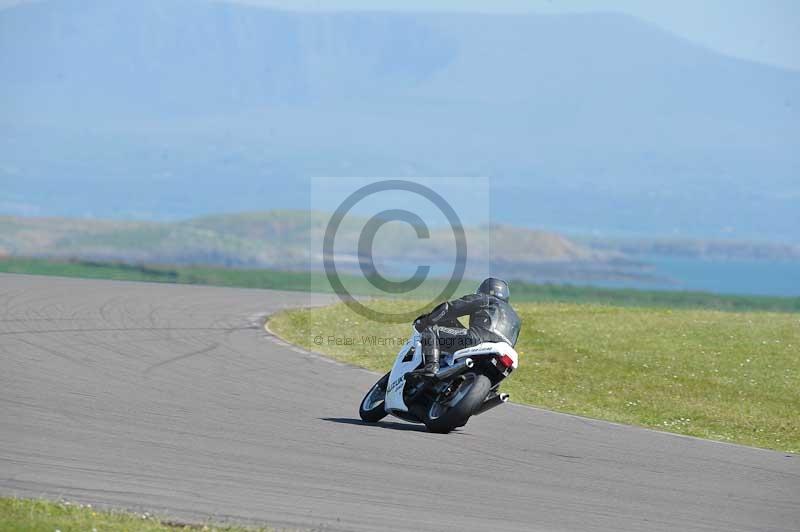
{"x": 761, "y": 30}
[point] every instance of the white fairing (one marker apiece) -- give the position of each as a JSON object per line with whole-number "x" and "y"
{"x": 488, "y": 348}
{"x": 397, "y": 378}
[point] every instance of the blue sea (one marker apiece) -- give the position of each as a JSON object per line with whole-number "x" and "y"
{"x": 743, "y": 277}
{"x": 746, "y": 277}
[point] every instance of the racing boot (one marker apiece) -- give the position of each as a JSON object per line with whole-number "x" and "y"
{"x": 430, "y": 355}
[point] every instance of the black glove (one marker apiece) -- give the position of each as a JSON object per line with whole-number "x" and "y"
{"x": 421, "y": 323}
{"x": 426, "y": 320}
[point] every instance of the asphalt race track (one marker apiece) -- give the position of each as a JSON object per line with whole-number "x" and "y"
{"x": 173, "y": 399}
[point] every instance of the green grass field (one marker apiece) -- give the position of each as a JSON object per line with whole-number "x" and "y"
{"x": 22, "y": 515}
{"x": 299, "y": 281}
{"x": 729, "y": 376}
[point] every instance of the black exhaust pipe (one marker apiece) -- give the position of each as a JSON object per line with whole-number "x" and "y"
{"x": 495, "y": 400}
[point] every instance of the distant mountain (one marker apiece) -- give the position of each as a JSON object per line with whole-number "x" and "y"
{"x": 163, "y": 109}
{"x": 286, "y": 240}
{"x": 263, "y": 240}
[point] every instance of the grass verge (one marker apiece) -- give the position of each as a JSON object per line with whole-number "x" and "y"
{"x": 24, "y": 515}
{"x": 729, "y": 376}
{"x": 317, "y": 282}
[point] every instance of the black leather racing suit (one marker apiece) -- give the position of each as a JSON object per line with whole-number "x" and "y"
{"x": 490, "y": 320}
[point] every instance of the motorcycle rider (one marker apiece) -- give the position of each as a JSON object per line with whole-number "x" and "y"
{"x": 491, "y": 319}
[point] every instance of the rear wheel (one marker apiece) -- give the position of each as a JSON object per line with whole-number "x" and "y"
{"x": 372, "y": 406}
{"x": 454, "y": 406}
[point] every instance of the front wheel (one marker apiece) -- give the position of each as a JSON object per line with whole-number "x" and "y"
{"x": 454, "y": 406}
{"x": 372, "y": 406}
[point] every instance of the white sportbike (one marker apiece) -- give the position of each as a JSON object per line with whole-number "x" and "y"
{"x": 466, "y": 385}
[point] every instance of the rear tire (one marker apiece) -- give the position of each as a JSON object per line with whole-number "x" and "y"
{"x": 372, "y": 406}
{"x": 443, "y": 417}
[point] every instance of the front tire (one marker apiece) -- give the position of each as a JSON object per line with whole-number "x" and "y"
{"x": 372, "y": 406}
{"x": 450, "y": 411}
